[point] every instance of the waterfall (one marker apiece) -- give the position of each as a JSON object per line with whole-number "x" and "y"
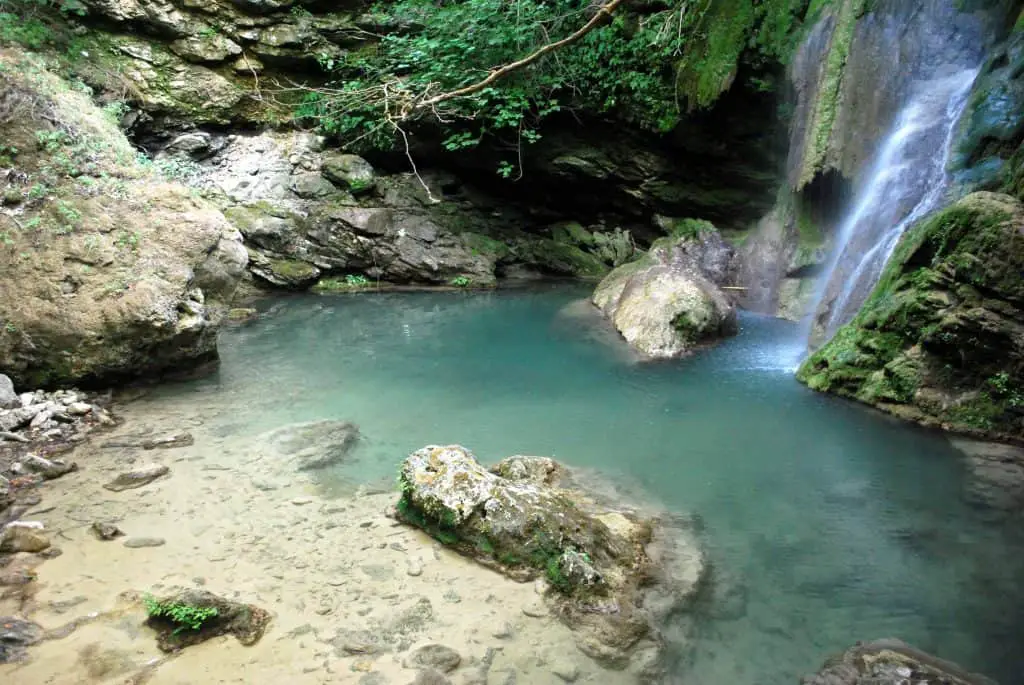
{"x": 906, "y": 181}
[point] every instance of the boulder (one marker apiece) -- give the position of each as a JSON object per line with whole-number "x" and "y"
{"x": 351, "y": 172}
{"x": 941, "y": 338}
{"x": 313, "y": 445}
{"x": 668, "y": 302}
{"x": 613, "y": 575}
{"x": 134, "y": 274}
{"x": 8, "y": 398}
{"x": 20, "y": 538}
{"x": 891, "y": 662}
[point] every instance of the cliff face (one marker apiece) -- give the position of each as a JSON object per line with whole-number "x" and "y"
{"x": 850, "y": 77}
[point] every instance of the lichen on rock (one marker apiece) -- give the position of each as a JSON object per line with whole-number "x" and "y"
{"x": 601, "y": 562}
{"x": 668, "y": 302}
{"x": 941, "y": 338}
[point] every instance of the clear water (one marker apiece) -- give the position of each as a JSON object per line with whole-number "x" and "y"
{"x": 827, "y": 523}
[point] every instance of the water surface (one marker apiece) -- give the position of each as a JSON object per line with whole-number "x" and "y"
{"x": 827, "y": 523}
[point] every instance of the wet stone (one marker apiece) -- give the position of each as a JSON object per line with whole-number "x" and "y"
{"x": 439, "y": 657}
{"x": 137, "y": 543}
{"x": 137, "y": 477}
{"x": 106, "y": 531}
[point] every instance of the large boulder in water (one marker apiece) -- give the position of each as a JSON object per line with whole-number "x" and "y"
{"x": 614, "y": 575}
{"x": 669, "y": 302}
{"x": 106, "y": 269}
{"x": 941, "y": 339}
{"x": 891, "y": 662}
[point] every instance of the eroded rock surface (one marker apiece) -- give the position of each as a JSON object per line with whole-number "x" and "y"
{"x": 891, "y": 662}
{"x": 668, "y": 302}
{"x": 613, "y": 574}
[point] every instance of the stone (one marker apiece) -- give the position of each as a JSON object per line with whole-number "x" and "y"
{"x": 8, "y": 398}
{"x": 439, "y": 657}
{"x": 430, "y": 676}
{"x": 47, "y": 468}
{"x": 136, "y": 478}
{"x": 106, "y": 531}
{"x": 16, "y": 635}
{"x": 246, "y": 622}
{"x": 589, "y": 554}
{"x": 313, "y": 445}
{"x": 141, "y": 542}
{"x": 668, "y": 303}
{"x": 79, "y": 408}
{"x": 16, "y": 538}
{"x": 566, "y": 670}
{"x": 168, "y": 441}
{"x": 891, "y": 662}
{"x": 12, "y": 419}
{"x": 351, "y": 172}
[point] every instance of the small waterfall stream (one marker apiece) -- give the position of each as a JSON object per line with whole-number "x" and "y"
{"x": 906, "y": 181}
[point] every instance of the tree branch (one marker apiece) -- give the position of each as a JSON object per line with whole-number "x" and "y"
{"x": 602, "y": 14}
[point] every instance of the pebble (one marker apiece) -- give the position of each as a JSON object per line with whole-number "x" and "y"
{"x": 299, "y": 501}
{"x": 503, "y": 632}
{"x": 439, "y": 657}
{"x": 566, "y": 670}
{"x": 535, "y": 609}
{"x": 136, "y": 478}
{"x": 414, "y": 567}
{"x": 135, "y": 543}
{"x": 106, "y": 531}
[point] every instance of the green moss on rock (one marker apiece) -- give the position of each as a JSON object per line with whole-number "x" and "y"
{"x": 944, "y": 319}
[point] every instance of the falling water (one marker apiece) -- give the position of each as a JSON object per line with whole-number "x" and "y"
{"x": 906, "y": 181}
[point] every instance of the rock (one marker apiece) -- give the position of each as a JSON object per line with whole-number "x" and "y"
{"x": 950, "y": 298}
{"x": 128, "y": 292}
{"x": 245, "y": 621}
{"x": 313, "y": 445}
{"x": 891, "y": 662}
{"x": 13, "y": 437}
{"x": 438, "y": 657}
{"x": 167, "y": 442}
{"x": 139, "y": 543}
{"x": 503, "y": 632}
{"x": 13, "y": 419}
{"x": 15, "y": 636}
{"x": 668, "y": 302}
{"x": 535, "y": 609}
{"x": 591, "y": 556}
{"x": 414, "y": 567}
{"x": 566, "y": 670}
{"x": 996, "y": 474}
{"x": 106, "y": 531}
{"x": 349, "y": 171}
{"x": 8, "y": 398}
{"x": 79, "y": 408}
{"x": 137, "y": 477}
{"x": 430, "y": 676}
{"x": 48, "y": 469}
{"x": 15, "y": 538}
{"x": 241, "y": 314}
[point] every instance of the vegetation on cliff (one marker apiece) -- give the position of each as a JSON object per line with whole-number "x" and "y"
{"x": 941, "y": 339}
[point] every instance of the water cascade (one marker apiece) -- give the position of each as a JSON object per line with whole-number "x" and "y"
{"x": 906, "y": 181}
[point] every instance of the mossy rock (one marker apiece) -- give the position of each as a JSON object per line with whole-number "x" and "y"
{"x": 941, "y": 337}
{"x": 219, "y": 616}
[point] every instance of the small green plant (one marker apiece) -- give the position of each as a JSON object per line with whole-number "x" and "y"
{"x": 10, "y": 327}
{"x": 184, "y": 616}
{"x": 7, "y": 154}
{"x": 126, "y": 240}
{"x": 356, "y": 281}
{"x": 460, "y": 282}
{"x": 69, "y": 216}
{"x": 300, "y": 13}
{"x": 115, "y": 110}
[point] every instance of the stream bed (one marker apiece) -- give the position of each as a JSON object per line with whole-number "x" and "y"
{"x": 826, "y": 523}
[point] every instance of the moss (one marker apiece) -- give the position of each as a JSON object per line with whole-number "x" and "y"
{"x": 293, "y": 270}
{"x": 484, "y": 245}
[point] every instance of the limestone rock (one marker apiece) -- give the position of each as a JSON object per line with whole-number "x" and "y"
{"x": 313, "y": 445}
{"x": 891, "y": 662}
{"x": 668, "y": 302}
{"x": 438, "y": 657}
{"x": 614, "y": 577}
{"x": 17, "y": 538}
{"x": 136, "y": 478}
{"x": 15, "y": 635}
{"x": 166, "y": 442}
{"x": 8, "y": 398}
{"x": 349, "y": 171}
{"x": 245, "y": 621}
{"x": 941, "y": 338}
{"x": 106, "y": 531}
{"x": 47, "y": 468}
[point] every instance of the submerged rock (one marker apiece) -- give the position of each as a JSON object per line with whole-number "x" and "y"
{"x": 136, "y": 478}
{"x": 106, "y": 531}
{"x": 15, "y": 635}
{"x": 941, "y": 338}
{"x": 613, "y": 575}
{"x": 220, "y": 617}
{"x": 668, "y": 302}
{"x": 313, "y": 445}
{"x": 891, "y": 662}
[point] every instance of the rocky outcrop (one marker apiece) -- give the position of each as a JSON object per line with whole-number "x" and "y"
{"x": 669, "y": 302}
{"x": 891, "y": 662}
{"x": 941, "y": 338}
{"x": 106, "y": 269}
{"x": 613, "y": 575}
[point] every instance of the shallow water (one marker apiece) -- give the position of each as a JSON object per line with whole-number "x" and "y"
{"x": 827, "y": 523}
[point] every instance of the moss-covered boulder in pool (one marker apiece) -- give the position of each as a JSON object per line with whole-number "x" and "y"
{"x": 613, "y": 575}
{"x": 941, "y": 338}
{"x": 668, "y": 302}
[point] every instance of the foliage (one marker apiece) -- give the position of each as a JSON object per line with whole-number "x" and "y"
{"x": 184, "y": 616}
{"x": 356, "y": 281}
{"x": 645, "y": 69}
{"x": 23, "y": 21}
{"x": 460, "y": 282}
